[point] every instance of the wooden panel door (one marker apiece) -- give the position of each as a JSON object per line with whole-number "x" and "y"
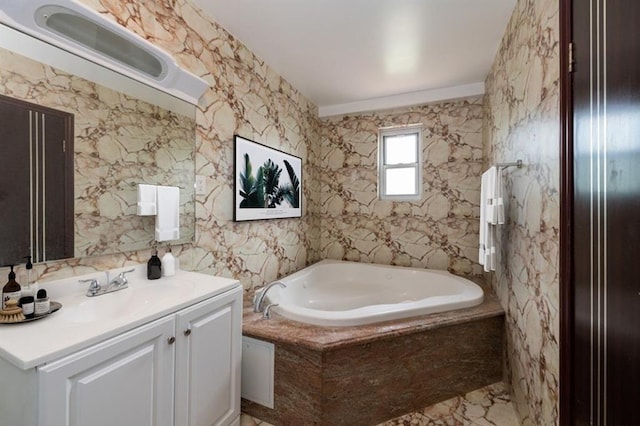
{"x": 208, "y": 360}
{"x": 57, "y": 186}
{"x": 125, "y": 381}
{"x": 601, "y": 303}
{"x": 36, "y": 182}
{"x": 14, "y": 183}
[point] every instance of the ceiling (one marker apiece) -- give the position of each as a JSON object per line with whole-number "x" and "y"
{"x": 358, "y": 55}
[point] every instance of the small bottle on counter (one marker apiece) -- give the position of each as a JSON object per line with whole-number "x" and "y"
{"x": 27, "y": 289}
{"x": 42, "y": 303}
{"x": 27, "y": 303}
{"x": 11, "y": 290}
{"x": 168, "y": 263}
{"x": 154, "y": 266}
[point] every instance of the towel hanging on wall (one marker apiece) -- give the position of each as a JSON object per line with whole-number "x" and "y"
{"x": 499, "y": 200}
{"x": 168, "y": 216}
{"x": 491, "y": 215}
{"x": 147, "y": 196}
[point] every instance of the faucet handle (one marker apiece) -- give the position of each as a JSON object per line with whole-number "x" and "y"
{"x": 94, "y": 285}
{"x": 256, "y": 294}
{"x": 266, "y": 315}
{"x": 121, "y": 279}
{"x": 121, "y": 274}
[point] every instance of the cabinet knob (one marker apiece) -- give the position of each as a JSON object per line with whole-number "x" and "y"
{"x": 171, "y": 340}
{"x": 187, "y": 332}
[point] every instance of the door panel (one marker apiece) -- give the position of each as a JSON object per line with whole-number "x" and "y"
{"x": 605, "y": 241}
{"x": 14, "y": 204}
{"x": 36, "y": 188}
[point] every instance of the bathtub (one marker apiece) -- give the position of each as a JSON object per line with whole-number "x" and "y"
{"x": 337, "y": 293}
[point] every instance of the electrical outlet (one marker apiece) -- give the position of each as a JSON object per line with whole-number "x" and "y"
{"x": 201, "y": 185}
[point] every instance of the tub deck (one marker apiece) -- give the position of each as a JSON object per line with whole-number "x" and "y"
{"x": 364, "y": 375}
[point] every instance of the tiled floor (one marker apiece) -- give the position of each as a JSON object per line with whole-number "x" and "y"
{"x": 489, "y": 406}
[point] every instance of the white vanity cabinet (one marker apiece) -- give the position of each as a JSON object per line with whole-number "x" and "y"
{"x": 126, "y": 380}
{"x": 182, "y": 369}
{"x": 208, "y": 359}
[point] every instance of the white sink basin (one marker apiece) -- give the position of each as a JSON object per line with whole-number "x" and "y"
{"x": 93, "y": 309}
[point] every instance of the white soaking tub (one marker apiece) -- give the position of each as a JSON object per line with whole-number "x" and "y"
{"x": 337, "y": 293}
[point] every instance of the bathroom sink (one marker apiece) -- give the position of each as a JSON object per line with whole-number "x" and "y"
{"x": 139, "y": 297}
{"x": 96, "y": 309}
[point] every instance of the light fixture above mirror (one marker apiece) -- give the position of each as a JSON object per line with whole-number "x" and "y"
{"x": 72, "y": 26}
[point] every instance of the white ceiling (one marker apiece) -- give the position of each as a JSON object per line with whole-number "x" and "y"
{"x": 358, "y": 55}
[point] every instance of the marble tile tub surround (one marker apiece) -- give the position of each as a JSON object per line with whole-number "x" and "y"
{"x": 366, "y": 374}
{"x": 522, "y": 121}
{"x": 487, "y": 406}
{"x": 441, "y": 230}
{"x": 245, "y": 97}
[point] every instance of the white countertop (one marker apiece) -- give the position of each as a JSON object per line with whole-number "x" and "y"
{"x": 83, "y": 321}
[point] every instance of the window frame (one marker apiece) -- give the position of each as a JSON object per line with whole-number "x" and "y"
{"x": 382, "y": 167}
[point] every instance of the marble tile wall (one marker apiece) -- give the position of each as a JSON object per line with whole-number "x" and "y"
{"x": 245, "y": 97}
{"x": 441, "y": 230}
{"x": 522, "y": 122}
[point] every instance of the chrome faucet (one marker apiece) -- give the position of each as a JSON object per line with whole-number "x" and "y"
{"x": 259, "y": 296}
{"x": 118, "y": 283}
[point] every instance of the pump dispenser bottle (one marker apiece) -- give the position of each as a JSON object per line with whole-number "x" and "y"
{"x": 154, "y": 266}
{"x": 168, "y": 263}
{"x": 11, "y": 290}
{"x": 27, "y": 288}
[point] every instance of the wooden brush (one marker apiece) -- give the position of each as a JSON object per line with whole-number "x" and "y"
{"x": 11, "y": 313}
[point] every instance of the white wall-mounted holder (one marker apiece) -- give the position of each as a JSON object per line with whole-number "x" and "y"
{"x": 82, "y": 31}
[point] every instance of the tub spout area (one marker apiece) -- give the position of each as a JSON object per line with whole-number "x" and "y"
{"x": 258, "y": 298}
{"x": 266, "y": 315}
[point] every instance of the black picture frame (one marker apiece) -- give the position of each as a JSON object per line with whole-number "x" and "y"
{"x": 267, "y": 182}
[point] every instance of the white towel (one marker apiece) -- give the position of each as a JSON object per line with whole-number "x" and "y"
{"x": 498, "y": 198}
{"x": 484, "y": 225}
{"x": 168, "y": 216}
{"x": 491, "y": 214}
{"x": 146, "y": 205}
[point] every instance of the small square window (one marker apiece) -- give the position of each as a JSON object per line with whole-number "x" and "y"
{"x": 400, "y": 171}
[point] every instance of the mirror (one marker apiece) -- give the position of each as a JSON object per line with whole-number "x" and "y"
{"x": 121, "y": 138}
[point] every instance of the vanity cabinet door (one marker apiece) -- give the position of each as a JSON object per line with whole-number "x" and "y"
{"x": 208, "y": 361}
{"x": 124, "y": 381}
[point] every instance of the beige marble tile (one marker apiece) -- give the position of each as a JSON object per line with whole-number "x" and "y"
{"x": 522, "y": 122}
{"x": 489, "y": 406}
{"x": 356, "y": 225}
{"x": 342, "y": 218}
{"x": 245, "y": 97}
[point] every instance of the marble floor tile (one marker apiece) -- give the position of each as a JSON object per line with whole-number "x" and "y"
{"x": 489, "y": 406}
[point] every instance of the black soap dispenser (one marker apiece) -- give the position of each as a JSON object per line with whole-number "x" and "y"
{"x": 154, "y": 266}
{"x": 11, "y": 290}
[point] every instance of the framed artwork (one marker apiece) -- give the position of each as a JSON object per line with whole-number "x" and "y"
{"x": 268, "y": 182}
